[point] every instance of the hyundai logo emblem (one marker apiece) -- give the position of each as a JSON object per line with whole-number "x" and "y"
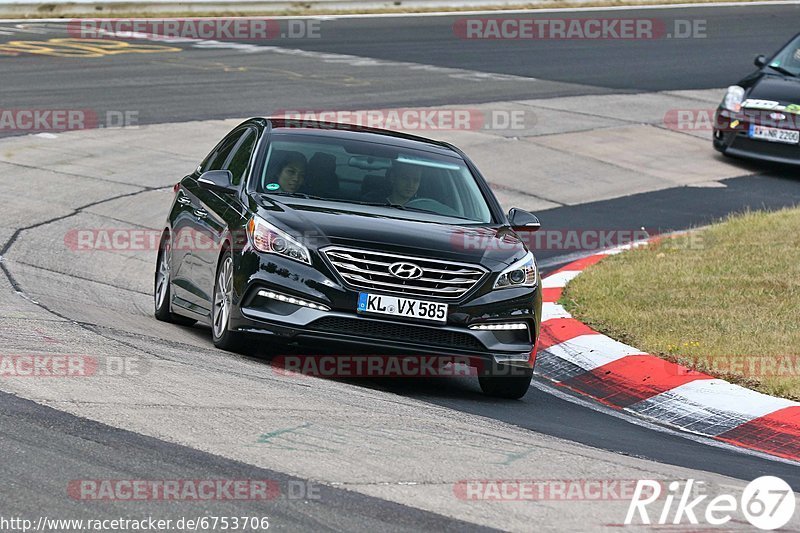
{"x": 405, "y": 270}
{"x": 777, "y": 116}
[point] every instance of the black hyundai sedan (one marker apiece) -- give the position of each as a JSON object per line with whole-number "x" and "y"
{"x": 326, "y": 234}
{"x": 760, "y": 117}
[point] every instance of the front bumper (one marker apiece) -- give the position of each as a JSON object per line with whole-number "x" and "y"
{"x": 339, "y": 323}
{"x": 736, "y": 142}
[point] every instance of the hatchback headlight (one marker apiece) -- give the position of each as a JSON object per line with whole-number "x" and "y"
{"x": 520, "y": 274}
{"x": 268, "y": 239}
{"x": 733, "y": 98}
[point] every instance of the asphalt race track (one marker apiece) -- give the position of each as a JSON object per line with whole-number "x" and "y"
{"x": 199, "y": 84}
{"x": 384, "y": 454}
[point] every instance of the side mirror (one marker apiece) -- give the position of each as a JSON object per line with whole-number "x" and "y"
{"x": 521, "y": 220}
{"x": 217, "y": 180}
{"x": 760, "y": 60}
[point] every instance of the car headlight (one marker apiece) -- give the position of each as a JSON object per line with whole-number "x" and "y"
{"x": 520, "y": 274}
{"x": 733, "y": 98}
{"x": 268, "y": 239}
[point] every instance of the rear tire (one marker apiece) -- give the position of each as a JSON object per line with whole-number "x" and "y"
{"x": 504, "y": 381}
{"x": 221, "y": 306}
{"x": 161, "y": 287}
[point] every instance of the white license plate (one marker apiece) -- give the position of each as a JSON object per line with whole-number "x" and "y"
{"x": 775, "y": 135}
{"x": 405, "y": 307}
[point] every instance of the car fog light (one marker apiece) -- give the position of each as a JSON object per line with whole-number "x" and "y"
{"x": 499, "y": 327}
{"x": 292, "y": 300}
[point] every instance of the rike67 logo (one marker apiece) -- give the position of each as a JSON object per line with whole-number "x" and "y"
{"x": 767, "y": 502}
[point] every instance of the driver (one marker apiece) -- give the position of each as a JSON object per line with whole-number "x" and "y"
{"x": 795, "y": 61}
{"x": 405, "y": 179}
{"x": 288, "y": 173}
{"x": 790, "y": 59}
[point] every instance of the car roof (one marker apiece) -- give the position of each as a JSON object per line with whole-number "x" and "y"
{"x": 361, "y": 133}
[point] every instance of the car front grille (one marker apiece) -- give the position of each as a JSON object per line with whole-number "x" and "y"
{"x": 787, "y": 151}
{"x": 363, "y": 269}
{"x": 374, "y": 329}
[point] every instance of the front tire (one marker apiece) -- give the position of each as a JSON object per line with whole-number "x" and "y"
{"x": 222, "y": 304}
{"x": 161, "y": 287}
{"x": 504, "y": 381}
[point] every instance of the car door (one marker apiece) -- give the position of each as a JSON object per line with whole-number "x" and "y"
{"x": 181, "y": 219}
{"x": 194, "y": 229}
{"x": 221, "y": 212}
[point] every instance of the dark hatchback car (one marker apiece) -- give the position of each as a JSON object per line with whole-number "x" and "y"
{"x": 760, "y": 117}
{"x": 323, "y": 234}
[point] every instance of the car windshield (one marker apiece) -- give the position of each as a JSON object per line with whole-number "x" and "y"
{"x": 360, "y": 172}
{"x": 788, "y": 59}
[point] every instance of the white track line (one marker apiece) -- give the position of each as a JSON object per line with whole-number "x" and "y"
{"x": 559, "y": 280}
{"x": 709, "y": 406}
{"x": 551, "y": 310}
{"x": 591, "y": 351}
{"x": 554, "y": 390}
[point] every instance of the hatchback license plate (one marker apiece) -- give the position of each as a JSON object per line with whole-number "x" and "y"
{"x": 775, "y": 135}
{"x": 405, "y": 307}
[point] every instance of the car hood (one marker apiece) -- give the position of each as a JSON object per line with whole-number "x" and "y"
{"x": 785, "y": 90}
{"x": 321, "y": 224}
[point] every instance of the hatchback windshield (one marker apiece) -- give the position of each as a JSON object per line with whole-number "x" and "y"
{"x": 343, "y": 170}
{"x": 788, "y": 59}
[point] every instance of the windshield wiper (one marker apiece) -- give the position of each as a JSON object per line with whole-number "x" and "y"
{"x": 415, "y": 209}
{"x": 399, "y": 206}
{"x": 386, "y": 204}
{"x": 783, "y": 70}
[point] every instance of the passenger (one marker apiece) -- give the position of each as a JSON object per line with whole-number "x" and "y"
{"x": 289, "y": 173}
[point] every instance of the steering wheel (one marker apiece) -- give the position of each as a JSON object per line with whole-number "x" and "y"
{"x": 434, "y": 206}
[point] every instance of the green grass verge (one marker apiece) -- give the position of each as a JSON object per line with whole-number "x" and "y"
{"x": 724, "y": 300}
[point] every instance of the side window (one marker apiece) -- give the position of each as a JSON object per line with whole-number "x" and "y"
{"x": 219, "y": 156}
{"x": 240, "y": 159}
